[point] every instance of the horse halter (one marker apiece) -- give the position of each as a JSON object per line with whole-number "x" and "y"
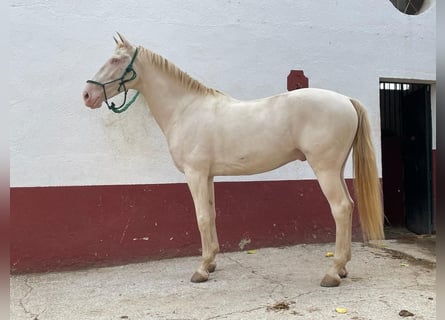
{"x": 122, "y": 81}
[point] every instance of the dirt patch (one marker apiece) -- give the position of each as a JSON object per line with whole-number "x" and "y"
{"x": 280, "y": 306}
{"x": 420, "y": 262}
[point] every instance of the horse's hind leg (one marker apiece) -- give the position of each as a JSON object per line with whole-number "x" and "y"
{"x": 334, "y": 188}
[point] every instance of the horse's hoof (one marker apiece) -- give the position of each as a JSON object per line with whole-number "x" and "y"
{"x": 198, "y": 277}
{"x": 330, "y": 281}
{"x": 343, "y": 273}
{"x": 211, "y": 268}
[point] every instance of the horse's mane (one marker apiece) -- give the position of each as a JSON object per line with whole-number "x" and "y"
{"x": 168, "y": 67}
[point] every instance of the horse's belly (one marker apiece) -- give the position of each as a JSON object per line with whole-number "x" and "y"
{"x": 253, "y": 163}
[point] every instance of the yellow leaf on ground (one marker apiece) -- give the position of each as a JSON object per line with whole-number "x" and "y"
{"x": 329, "y": 254}
{"x": 341, "y": 310}
{"x": 404, "y": 264}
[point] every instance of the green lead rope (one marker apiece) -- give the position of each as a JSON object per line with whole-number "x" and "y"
{"x": 126, "y": 106}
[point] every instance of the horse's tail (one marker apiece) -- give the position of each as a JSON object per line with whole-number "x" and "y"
{"x": 366, "y": 183}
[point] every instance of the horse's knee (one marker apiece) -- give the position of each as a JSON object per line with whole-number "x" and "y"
{"x": 203, "y": 221}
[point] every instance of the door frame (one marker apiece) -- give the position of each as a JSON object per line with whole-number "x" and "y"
{"x": 393, "y": 96}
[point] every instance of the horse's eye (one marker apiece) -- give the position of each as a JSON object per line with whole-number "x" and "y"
{"x": 114, "y": 61}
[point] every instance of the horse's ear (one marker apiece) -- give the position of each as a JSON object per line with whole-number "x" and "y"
{"x": 121, "y": 41}
{"x": 116, "y": 40}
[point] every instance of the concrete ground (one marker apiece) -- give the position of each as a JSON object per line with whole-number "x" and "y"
{"x": 392, "y": 282}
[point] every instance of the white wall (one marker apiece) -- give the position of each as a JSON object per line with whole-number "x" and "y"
{"x": 245, "y": 48}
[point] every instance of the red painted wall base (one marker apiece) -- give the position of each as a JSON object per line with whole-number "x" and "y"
{"x": 60, "y": 228}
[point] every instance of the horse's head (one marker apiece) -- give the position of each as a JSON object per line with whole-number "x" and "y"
{"x": 115, "y": 76}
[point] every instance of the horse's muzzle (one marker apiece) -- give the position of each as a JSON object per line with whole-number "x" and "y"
{"x": 92, "y": 97}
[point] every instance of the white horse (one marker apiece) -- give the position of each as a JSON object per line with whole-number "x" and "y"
{"x": 212, "y": 134}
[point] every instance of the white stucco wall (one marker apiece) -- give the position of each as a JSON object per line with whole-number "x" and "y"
{"x": 245, "y": 48}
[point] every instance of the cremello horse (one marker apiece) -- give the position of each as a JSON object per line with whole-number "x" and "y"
{"x": 212, "y": 134}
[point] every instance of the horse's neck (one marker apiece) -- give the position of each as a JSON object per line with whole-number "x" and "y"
{"x": 166, "y": 97}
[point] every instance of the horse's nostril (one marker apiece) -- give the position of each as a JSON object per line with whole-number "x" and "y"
{"x": 86, "y": 96}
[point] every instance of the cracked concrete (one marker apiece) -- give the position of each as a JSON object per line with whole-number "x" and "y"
{"x": 245, "y": 286}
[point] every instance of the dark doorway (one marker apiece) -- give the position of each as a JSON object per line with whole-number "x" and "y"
{"x": 405, "y": 110}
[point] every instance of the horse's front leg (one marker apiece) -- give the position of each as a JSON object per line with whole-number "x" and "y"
{"x": 201, "y": 188}
{"x": 213, "y": 232}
